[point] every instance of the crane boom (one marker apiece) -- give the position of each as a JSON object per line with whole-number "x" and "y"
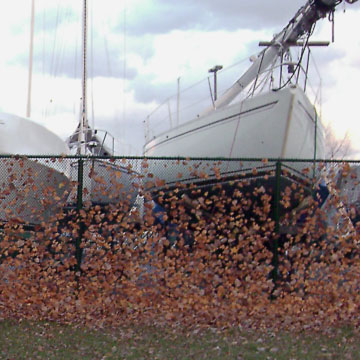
{"x": 302, "y": 23}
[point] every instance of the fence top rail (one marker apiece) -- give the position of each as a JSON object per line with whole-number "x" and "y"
{"x": 177, "y": 158}
{"x": 76, "y": 157}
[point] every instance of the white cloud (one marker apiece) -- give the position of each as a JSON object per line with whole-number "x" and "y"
{"x": 192, "y": 53}
{"x": 340, "y": 100}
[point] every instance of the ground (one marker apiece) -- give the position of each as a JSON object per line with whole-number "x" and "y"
{"x": 46, "y": 340}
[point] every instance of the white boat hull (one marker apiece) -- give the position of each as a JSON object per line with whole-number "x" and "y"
{"x": 22, "y": 136}
{"x": 280, "y": 124}
{"x": 31, "y": 193}
{"x": 31, "y": 189}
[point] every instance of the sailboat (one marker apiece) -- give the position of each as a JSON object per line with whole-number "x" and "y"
{"x": 105, "y": 181}
{"x": 275, "y": 122}
{"x": 31, "y": 189}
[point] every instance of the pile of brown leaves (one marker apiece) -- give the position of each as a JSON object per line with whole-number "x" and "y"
{"x": 213, "y": 260}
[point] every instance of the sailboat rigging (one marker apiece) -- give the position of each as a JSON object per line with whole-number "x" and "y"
{"x": 87, "y": 142}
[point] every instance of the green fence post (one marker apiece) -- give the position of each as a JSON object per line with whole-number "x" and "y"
{"x": 277, "y": 196}
{"x": 275, "y": 243}
{"x": 78, "y": 249}
{"x": 80, "y": 177}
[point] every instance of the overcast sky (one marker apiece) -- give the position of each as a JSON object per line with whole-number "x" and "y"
{"x": 137, "y": 49}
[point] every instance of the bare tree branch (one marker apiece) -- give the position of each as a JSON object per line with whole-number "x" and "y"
{"x": 337, "y": 148}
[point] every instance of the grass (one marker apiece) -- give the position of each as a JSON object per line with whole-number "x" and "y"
{"x": 43, "y": 340}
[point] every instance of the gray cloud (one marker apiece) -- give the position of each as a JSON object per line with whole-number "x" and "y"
{"x": 206, "y": 15}
{"x": 65, "y": 59}
{"x": 165, "y": 16}
{"x": 147, "y": 91}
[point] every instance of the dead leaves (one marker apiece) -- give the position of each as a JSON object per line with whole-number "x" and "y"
{"x": 206, "y": 256}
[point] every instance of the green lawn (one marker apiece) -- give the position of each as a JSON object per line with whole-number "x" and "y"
{"x": 41, "y": 340}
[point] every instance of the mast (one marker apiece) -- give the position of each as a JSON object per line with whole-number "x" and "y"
{"x": 83, "y": 126}
{"x": 302, "y": 23}
{"x": 28, "y": 105}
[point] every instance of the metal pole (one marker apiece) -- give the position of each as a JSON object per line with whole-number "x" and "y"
{"x": 275, "y": 243}
{"x": 78, "y": 248}
{"x": 28, "y": 106}
{"x": 214, "y": 70}
{"x": 277, "y": 196}
{"x": 80, "y": 176}
{"x": 83, "y": 121}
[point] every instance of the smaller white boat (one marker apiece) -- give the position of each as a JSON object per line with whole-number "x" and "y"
{"x": 105, "y": 180}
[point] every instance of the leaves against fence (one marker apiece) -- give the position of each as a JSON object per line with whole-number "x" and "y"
{"x": 210, "y": 252}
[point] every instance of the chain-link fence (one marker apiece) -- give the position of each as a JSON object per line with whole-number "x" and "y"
{"x": 191, "y": 227}
{"x": 35, "y": 188}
